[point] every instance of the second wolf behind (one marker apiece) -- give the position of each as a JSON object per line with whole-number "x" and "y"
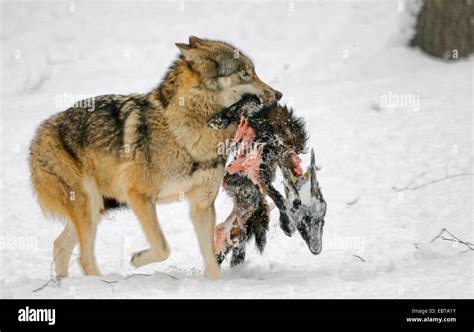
{"x": 143, "y": 149}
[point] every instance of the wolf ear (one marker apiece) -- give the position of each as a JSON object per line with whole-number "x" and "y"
{"x": 195, "y": 41}
{"x": 190, "y": 53}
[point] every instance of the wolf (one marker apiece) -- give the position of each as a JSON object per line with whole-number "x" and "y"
{"x": 140, "y": 150}
{"x": 268, "y": 137}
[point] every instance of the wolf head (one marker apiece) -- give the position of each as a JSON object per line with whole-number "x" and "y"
{"x": 306, "y": 206}
{"x": 226, "y": 70}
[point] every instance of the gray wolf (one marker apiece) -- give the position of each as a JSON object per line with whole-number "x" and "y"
{"x": 140, "y": 150}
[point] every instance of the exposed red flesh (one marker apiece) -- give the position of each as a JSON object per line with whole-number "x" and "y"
{"x": 227, "y": 233}
{"x": 247, "y": 161}
{"x": 249, "y": 157}
{"x": 244, "y": 131}
{"x": 222, "y": 233}
{"x": 296, "y": 163}
{"x": 248, "y": 164}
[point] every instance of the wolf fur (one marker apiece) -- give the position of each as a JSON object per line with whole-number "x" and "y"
{"x": 140, "y": 150}
{"x": 278, "y": 136}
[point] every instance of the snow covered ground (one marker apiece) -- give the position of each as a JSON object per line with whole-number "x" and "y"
{"x": 391, "y": 126}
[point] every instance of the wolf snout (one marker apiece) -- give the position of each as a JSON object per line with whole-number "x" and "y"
{"x": 270, "y": 97}
{"x": 316, "y": 250}
{"x": 278, "y": 95}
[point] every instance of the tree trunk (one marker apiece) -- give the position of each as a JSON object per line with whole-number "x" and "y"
{"x": 445, "y": 28}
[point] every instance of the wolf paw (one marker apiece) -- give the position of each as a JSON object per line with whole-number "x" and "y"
{"x": 217, "y": 123}
{"x": 238, "y": 257}
{"x": 220, "y": 256}
{"x": 212, "y": 273}
{"x": 148, "y": 256}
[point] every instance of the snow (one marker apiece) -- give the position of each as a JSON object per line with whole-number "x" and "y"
{"x": 382, "y": 117}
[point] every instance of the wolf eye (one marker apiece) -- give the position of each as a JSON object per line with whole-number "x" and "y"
{"x": 243, "y": 72}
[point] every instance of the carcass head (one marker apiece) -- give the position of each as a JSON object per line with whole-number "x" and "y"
{"x": 306, "y": 206}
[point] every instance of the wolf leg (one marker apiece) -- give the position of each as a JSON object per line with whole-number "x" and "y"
{"x": 266, "y": 174}
{"x": 203, "y": 216}
{"x": 86, "y": 229}
{"x": 145, "y": 210}
{"x": 256, "y": 224}
{"x": 259, "y": 224}
{"x": 222, "y": 237}
{"x": 84, "y": 212}
{"x": 238, "y": 255}
{"x": 63, "y": 247}
{"x": 285, "y": 223}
